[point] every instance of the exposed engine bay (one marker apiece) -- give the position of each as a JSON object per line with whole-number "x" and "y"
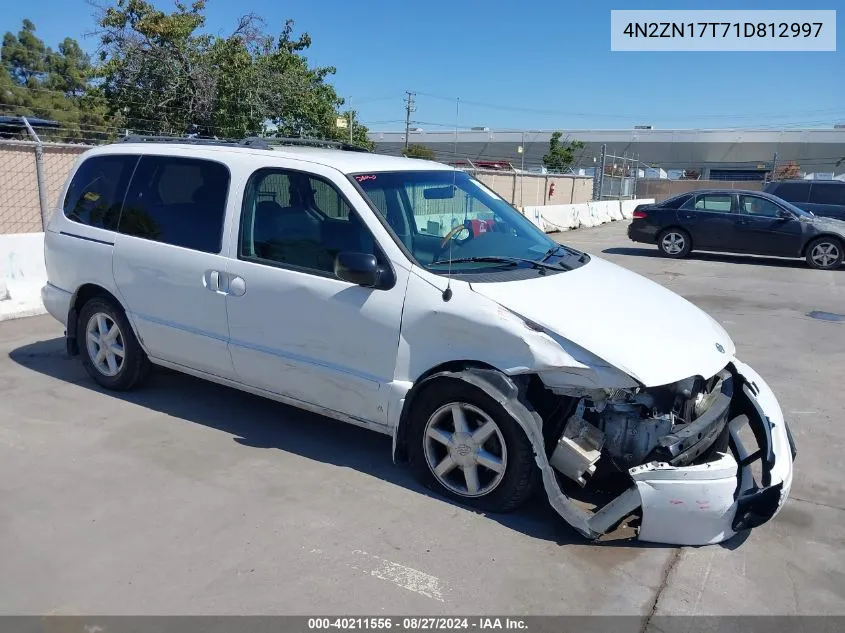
{"x": 679, "y": 424}
{"x": 673, "y": 462}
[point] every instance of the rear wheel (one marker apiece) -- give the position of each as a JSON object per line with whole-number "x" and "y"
{"x": 111, "y": 354}
{"x": 825, "y": 253}
{"x": 465, "y": 445}
{"x": 675, "y": 243}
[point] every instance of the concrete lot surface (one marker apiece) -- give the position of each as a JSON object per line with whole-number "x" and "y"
{"x": 187, "y": 497}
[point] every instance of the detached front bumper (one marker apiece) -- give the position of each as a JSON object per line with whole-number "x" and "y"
{"x": 710, "y": 502}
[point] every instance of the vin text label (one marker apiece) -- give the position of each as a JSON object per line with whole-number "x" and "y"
{"x": 723, "y": 30}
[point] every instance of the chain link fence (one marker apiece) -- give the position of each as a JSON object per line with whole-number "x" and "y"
{"x": 615, "y": 176}
{"x": 27, "y": 197}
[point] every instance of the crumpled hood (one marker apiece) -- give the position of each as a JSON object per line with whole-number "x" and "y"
{"x": 634, "y": 324}
{"x": 829, "y": 224}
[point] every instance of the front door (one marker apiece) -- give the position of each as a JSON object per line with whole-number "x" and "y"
{"x": 296, "y": 329}
{"x": 762, "y": 229}
{"x": 167, "y": 261}
{"x": 709, "y": 218}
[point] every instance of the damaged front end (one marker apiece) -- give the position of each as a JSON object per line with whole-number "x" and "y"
{"x": 692, "y": 462}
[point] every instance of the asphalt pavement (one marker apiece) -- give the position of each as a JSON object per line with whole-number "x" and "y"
{"x": 186, "y": 497}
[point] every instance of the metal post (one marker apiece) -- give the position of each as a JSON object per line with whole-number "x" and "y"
{"x": 622, "y": 179}
{"x": 522, "y": 175}
{"x": 39, "y": 175}
{"x": 636, "y": 175}
{"x": 774, "y": 166}
{"x": 599, "y": 177}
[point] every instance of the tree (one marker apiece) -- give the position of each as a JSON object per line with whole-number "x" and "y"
{"x": 24, "y": 54}
{"x": 560, "y": 155}
{"x": 787, "y": 171}
{"x": 38, "y": 81}
{"x": 416, "y": 150}
{"x": 164, "y": 75}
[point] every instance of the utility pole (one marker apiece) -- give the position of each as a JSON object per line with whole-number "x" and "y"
{"x": 410, "y": 106}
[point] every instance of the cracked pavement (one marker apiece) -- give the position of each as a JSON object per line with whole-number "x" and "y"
{"x": 187, "y": 497}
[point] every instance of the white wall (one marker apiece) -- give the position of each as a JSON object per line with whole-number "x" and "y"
{"x": 22, "y": 274}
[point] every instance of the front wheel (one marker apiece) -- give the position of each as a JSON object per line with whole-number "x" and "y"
{"x": 675, "y": 243}
{"x": 825, "y": 253}
{"x": 464, "y": 445}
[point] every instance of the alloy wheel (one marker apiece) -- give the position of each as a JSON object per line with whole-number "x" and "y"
{"x": 673, "y": 243}
{"x": 104, "y": 342}
{"x": 465, "y": 449}
{"x": 824, "y": 254}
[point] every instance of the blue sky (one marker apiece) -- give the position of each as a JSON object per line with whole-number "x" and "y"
{"x": 538, "y": 65}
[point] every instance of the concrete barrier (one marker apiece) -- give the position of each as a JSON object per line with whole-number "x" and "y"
{"x": 22, "y": 274}
{"x": 563, "y": 217}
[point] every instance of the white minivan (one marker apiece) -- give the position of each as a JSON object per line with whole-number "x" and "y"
{"x": 406, "y": 297}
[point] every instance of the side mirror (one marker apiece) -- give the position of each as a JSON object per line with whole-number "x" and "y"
{"x": 358, "y": 268}
{"x": 783, "y": 214}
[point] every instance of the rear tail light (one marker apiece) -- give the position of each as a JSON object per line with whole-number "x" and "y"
{"x": 640, "y": 214}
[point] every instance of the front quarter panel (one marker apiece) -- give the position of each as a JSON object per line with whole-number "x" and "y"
{"x": 471, "y": 327}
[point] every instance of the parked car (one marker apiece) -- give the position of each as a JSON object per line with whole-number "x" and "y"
{"x": 361, "y": 287}
{"x": 824, "y": 198}
{"x": 734, "y": 221}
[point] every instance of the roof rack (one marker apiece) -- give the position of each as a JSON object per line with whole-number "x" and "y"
{"x": 188, "y": 140}
{"x": 256, "y": 142}
{"x": 298, "y": 140}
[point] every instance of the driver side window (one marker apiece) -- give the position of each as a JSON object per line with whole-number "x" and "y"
{"x": 754, "y": 205}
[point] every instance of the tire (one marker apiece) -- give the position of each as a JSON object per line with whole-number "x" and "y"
{"x": 825, "y": 253}
{"x": 496, "y": 491}
{"x": 98, "y": 316}
{"x": 674, "y": 243}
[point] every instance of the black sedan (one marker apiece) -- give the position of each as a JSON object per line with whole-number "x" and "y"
{"x": 737, "y": 221}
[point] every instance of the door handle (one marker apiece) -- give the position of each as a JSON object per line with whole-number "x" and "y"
{"x": 215, "y": 281}
{"x": 211, "y": 280}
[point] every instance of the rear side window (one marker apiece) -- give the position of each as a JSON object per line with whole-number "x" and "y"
{"x": 827, "y": 193}
{"x": 179, "y": 201}
{"x": 791, "y": 191}
{"x": 715, "y": 202}
{"x": 674, "y": 203}
{"x": 96, "y": 191}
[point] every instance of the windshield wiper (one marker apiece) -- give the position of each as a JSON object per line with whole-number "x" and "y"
{"x": 570, "y": 251}
{"x": 502, "y": 260}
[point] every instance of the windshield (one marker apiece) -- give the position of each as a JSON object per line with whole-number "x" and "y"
{"x": 447, "y": 215}
{"x": 797, "y": 211}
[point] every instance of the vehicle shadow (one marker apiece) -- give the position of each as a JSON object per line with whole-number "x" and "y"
{"x": 755, "y": 260}
{"x": 263, "y": 424}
